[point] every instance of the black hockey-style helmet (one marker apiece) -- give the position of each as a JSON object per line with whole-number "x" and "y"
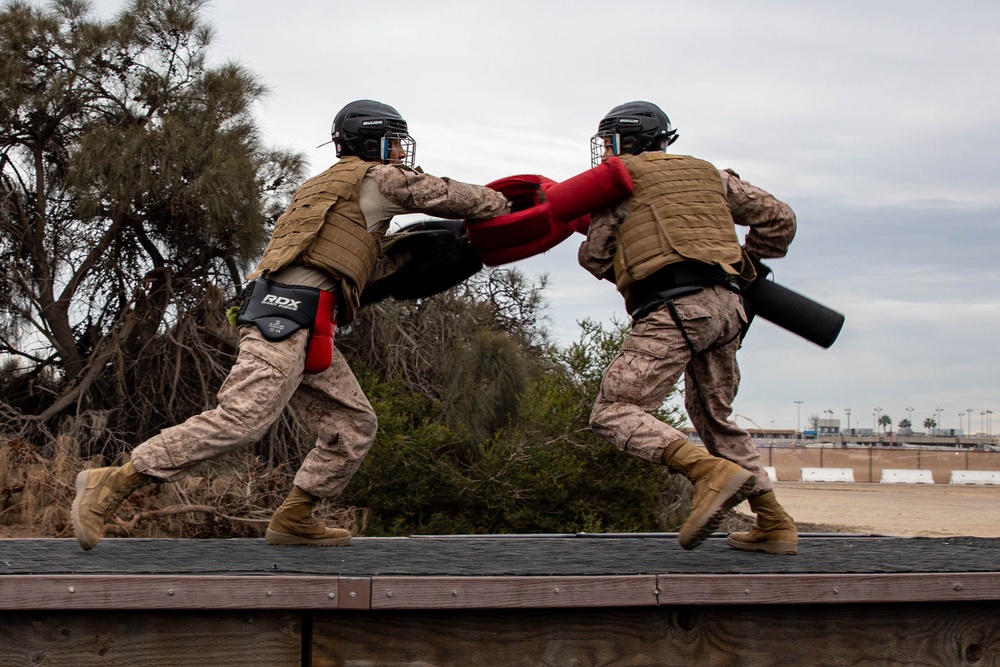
{"x": 633, "y": 127}
{"x": 372, "y": 131}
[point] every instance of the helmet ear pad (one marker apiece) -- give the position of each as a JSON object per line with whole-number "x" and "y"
{"x": 371, "y": 149}
{"x": 630, "y": 144}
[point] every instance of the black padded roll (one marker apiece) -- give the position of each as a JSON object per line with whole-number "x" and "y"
{"x": 793, "y": 312}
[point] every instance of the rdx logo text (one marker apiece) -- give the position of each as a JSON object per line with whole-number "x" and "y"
{"x": 280, "y": 302}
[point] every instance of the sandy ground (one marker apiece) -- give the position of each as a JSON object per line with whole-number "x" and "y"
{"x": 926, "y": 510}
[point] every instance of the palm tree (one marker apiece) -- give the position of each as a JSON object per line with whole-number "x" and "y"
{"x": 884, "y": 420}
{"x": 930, "y": 424}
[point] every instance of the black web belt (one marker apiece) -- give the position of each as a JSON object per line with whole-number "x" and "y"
{"x": 672, "y": 282}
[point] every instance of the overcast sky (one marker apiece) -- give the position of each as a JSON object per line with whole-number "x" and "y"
{"x": 877, "y": 121}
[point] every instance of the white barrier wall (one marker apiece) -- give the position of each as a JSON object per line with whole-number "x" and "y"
{"x": 827, "y": 475}
{"x": 905, "y": 476}
{"x": 772, "y": 474}
{"x": 975, "y": 476}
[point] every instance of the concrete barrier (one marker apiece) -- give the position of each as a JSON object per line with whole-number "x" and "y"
{"x": 902, "y": 476}
{"x": 772, "y": 474}
{"x": 975, "y": 476}
{"x": 827, "y": 475}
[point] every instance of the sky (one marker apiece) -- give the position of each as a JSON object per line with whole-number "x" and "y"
{"x": 877, "y": 121}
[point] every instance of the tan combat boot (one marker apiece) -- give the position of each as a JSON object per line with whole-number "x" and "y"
{"x": 293, "y": 523}
{"x": 99, "y": 492}
{"x": 774, "y": 533}
{"x": 719, "y": 485}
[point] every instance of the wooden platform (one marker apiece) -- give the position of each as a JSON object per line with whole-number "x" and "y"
{"x": 500, "y": 600}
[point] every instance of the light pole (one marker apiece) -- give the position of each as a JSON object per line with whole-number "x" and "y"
{"x": 878, "y": 417}
{"x": 960, "y": 415}
{"x": 939, "y": 411}
{"x": 989, "y": 423}
{"x": 798, "y": 419}
{"x": 848, "y": 411}
{"x": 982, "y": 427}
{"x": 968, "y": 411}
{"x": 909, "y": 416}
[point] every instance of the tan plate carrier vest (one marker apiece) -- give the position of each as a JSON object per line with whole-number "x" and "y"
{"x": 679, "y": 212}
{"x": 325, "y": 228}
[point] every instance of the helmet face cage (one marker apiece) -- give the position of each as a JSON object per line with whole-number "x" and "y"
{"x": 602, "y": 145}
{"x": 398, "y": 148}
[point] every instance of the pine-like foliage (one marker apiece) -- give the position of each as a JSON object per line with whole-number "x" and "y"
{"x": 134, "y": 189}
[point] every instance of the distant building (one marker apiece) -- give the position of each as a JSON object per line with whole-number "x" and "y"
{"x": 826, "y": 427}
{"x": 763, "y": 435}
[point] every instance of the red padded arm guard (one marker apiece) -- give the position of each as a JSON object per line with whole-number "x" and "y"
{"x": 546, "y": 212}
{"x": 527, "y": 222}
{"x": 595, "y": 189}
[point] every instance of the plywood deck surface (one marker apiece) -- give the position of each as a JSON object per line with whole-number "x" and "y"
{"x": 496, "y": 556}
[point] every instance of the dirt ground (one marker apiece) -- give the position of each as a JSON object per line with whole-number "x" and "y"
{"x": 925, "y": 510}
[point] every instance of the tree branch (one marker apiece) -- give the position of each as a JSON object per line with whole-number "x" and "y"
{"x": 128, "y": 526}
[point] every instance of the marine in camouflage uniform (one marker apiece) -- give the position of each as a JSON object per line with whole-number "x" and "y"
{"x": 329, "y": 238}
{"x": 673, "y": 253}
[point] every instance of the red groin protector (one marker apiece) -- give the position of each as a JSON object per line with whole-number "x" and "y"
{"x": 320, "y": 352}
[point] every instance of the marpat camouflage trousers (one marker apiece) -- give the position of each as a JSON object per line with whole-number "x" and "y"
{"x": 266, "y": 377}
{"x": 650, "y": 363}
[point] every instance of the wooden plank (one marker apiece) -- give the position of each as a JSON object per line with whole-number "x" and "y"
{"x": 41, "y": 592}
{"x": 511, "y": 592}
{"x": 179, "y": 639}
{"x": 167, "y": 592}
{"x": 827, "y": 588}
{"x": 779, "y": 635}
